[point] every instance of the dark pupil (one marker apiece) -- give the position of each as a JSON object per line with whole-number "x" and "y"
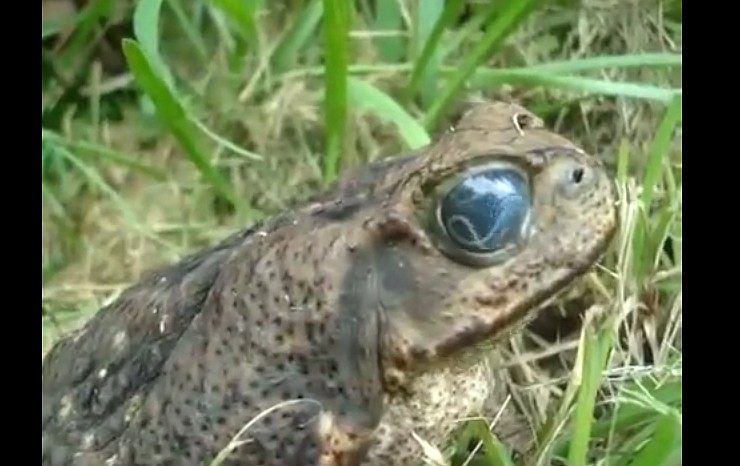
{"x": 487, "y": 210}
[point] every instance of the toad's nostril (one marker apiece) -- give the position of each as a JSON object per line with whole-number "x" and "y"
{"x": 523, "y": 121}
{"x": 577, "y": 175}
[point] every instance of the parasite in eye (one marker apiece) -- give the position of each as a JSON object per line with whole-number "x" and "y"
{"x": 486, "y": 211}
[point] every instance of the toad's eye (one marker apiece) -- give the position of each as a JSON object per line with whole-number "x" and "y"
{"x": 486, "y": 210}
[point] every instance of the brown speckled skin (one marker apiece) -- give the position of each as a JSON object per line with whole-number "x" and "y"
{"x": 346, "y": 304}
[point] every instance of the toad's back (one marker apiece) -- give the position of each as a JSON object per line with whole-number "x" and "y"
{"x": 331, "y": 334}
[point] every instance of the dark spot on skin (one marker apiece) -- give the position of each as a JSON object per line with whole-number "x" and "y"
{"x": 416, "y": 352}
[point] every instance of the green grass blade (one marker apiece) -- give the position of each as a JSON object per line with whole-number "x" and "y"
{"x": 238, "y": 16}
{"x": 54, "y": 204}
{"x": 633, "y": 415}
{"x": 660, "y": 232}
{"x": 369, "y": 97}
{"x": 638, "y": 60}
{"x": 429, "y": 13}
{"x": 508, "y": 18}
{"x": 676, "y": 231}
{"x": 242, "y": 14}
{"x": 663, "y": 448}
{"x": 146, "y": 25}
{"x": 659, "y": 149}
{"x": 223, "y": 142}
{"x": 467, "y": 33}
{"x": 173, "y": 114}
{"x": 596, "y": 353}
{"x": 297, "y": 37}
{"x": 146, "y": 30}
{"x": 191, "y": 32}
{"x": 88, "y": 21}
{"x": 623, "y": 161}
{"x": 431, "y": 46}
{"x": 56, "y": 25}
{"x": 643, "y": 240}
{"x": 95, "y": 180}
{"x": 487, "y": 78}
{"x": 388, "y": 18}
{"x": 336, "y": 37}
{"x": 353, "y": 70}
{"x": 495, "y": 453}
{"x": 103, "y": 152}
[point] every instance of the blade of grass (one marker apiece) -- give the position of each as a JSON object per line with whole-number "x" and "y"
{"x": 95, "y": 180}
{"x": 597, "y": 344}
{"x": 297, "y": 36}
{"x": 623, "y": 161}
{"x": 660, "y": 232}
{"x": 112, "y": 155}
{"x": 659, "y": 149}
{"x": 669, "y": 395}
{"x": 421, "y": 63}
{"x": 507, "y": 19}
{"x": 87, "y": 22}
{"x": 336, "y": 38}
{"x": 488, "y": 78}
{"x": 222, "y": 141}
{"x": 388, "y": 18}
{"x": 173, "y": 114}
{"x": 643, "y": 240}
{"x": 242, "y": 13}
{"x": 353, "y": 70}
{"x": 637, "y": 60}
{"x": 463, "y": 35}
{"x": 188, "y": 28}
{"x": 630, "y": 415}
{"x": 53, "y": 26}
{"x": 54, "y": 204}
{"x": 495, "y": 453}
{"x": 677, "y": 227}
{"x": 663, "y": 447}
{"x": 369, "y": 97}
{"x": 146, "y": 30}
{"x": 428, "y": 16}
{"x": 231, "y": 38}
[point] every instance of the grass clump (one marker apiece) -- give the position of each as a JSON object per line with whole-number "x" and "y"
{"x": 167, "y": 124}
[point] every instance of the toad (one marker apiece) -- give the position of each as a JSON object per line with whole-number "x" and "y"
{"x": 336, "y": 333}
